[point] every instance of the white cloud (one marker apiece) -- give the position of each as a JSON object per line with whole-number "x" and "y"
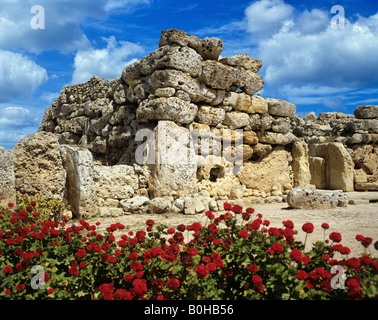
{"x": 63, "y": 19}
{"x": 266, "y": 17}
{"x": 19, "y": 75}
{"x": 17, "y": 117}
{"x": 301, "y": 48}
{"x": 106, "y": 62}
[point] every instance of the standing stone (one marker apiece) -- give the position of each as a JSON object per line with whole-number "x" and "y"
{"x": 81, "y": 190}
{"x": 300, "y": 164}
{"x": 318, "y": 172}
{"x": 339, "y": 165}
{"x": 39, "y": 167}
{"x": 174, "y": 172}
{"x": 7, "y": 180}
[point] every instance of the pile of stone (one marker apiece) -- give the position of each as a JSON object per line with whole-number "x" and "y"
{"x": 91, "y": 139}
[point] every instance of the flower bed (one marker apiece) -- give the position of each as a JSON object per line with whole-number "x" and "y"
{"x": 224, "y": 259}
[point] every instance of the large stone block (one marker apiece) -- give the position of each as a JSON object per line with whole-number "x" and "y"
{"x": 366, "y": 112}
{"x": 318, "y": 172}
{"x": 208, "y": 48}
{"x": 39, "y": 167}
{"x": 172, "y": 108}
{"x": 244, "y": 61}
{"x": 300, "y": 164}
{"x": 173, "y": 172}
{"x": 80, "y": 187}
{"x": 7, "y": 180}
{"x": 278, "y": 107}
{"x": 339, "y": 165}
{"x": 300, "y": 198}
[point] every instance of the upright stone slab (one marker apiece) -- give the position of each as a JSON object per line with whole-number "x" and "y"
{"x": 174, "y": 170}
{"x": 81, "y": 191}
{"x": 339, "y": 165}
{"x": 38, "y": 166}
{"x": 7, "y": 180}
{"x": 300, "y": 165}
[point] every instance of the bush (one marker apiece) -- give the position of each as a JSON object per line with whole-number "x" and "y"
{"x": 224, "y": 259}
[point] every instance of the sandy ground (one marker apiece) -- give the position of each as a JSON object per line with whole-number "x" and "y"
{"x": 349, "y": 221}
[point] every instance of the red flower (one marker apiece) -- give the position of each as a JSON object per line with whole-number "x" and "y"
{"x": 259, "y": 287}
{"x": 51, "y": 290}
{"x": 302, "y": 275}
{"x": 325, "y": 225}
{"x": 227, "y": 206}
{"x": 276, "y": 248}
{"x": 353, "y": 263}
{"x": 27, "y": 255}
{"x": 252, "y": 268}
{"x": 202, "y": 271}
{"x": 288, "y": 224}
{"x": 353, "y": 284}
{"x": 171, "y": 231}
{"x": 133, "y": 255}
{"x": 366, "y": 241}
{"x": 97, "y": 248}
{"x": 250, "y": 210}
{"x": 20, "y": 287}
{"x": 365, "y": 259}
{"x": 227, "y": 272}
{"x": 325, "y": 286}
{"x": 7, "y": 269}
{"x": 256, "y": 279}
{"x": 237, "y": 209}
{"x": 73, "y": 271}
{"x": 112, "y": 259}
{"x": 308, "y": 227}
{"x": 107, "y": 291}
{"x": 10, "y": 205}
{"x": 139, "y": 287}
{"x": 335, "y": 237}
{"x": 150, "y": 222}
{"x": 173, "y": 284}
{"x": 82, "y": 264}
{"x": 296, "y": 255}
{"x": 81, "y": 253}
{"x": 128, "y": 277}
{"x": 33, "y": 203}
{"x": 243, "y": 234}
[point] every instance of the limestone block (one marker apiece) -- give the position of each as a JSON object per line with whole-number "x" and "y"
{"x": 175, "y": 168}
{"x": 318, "y": 172}
{"x": 135, "y": 205}
{"x": 339, "y": 165}
{"x": 80, "y": 188}
{"x": 208, "y": 48}
{"x": 7, "y": 179}
{"x": 276, "y": 138}
{"x": 210, "y": 115}
{"x": 300, "y": 164}
{"x": 278, "y": 107}
{"x": 172, "y": 108}
{"x": 300, "y": 198}
{"x": 38, "y": 166}
{"x": 244, "y": 61}
{"x": 366, "y": 112}
{"x": 236, "y": 119}
{"x": 263, "y": 174}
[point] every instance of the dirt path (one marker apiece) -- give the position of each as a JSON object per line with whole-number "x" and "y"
{"x": 349, "y": 221}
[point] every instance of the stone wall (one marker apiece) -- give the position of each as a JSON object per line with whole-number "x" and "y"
{"x": 183, "y": 93}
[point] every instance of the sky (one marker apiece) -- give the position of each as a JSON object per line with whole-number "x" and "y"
{"x": 320, "y": 57}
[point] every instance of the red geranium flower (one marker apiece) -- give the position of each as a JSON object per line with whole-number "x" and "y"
{"x": 296, "y": 255}
{"x": 335, "y": 237}
{"x": 276, "y": 248}
{"x": 252, "y": 268}
{"x": 325, "y": 225}
{"x": 243, "y": 234}
{"x": 308, "y": 227}
{"x": 227, "y": 206}
{"x": 173, "y": 284}
{"x": 81, "y": 253}
{"x": 73, "y": 271}
{"x": 7, "y": 269}
{"x": 302, "y": 275}
{"x": 256, "y": 279}
{"x": 202, "y": 271}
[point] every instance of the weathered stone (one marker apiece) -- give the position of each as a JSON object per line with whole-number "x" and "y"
{"x": 115, "y": 182}
{"x": 281, "y": 125}
{"x": 300, "y": 198}
{"x": 38, "y": 166}
{"x": 300, "y": 164}
{"x": 7, "y": 179}
{"x": 259, "y": 105}
{"x": 135, "y": 205}
{"x": 362, "y": 126}
{"x": 278, "y": 107}
{"x": 193, "y": 205}
{"x": 160, "y": 205}
{"x": 250, "y": 137}
{"x": 174, "y": 171}
{"x": 366, "y": 112}
{"x": 339, "y": 165}
{"x": 244, "y": 61}
{"x": 236, "y": 119}
{"x": 208, "y": 48}
{"x": 273, "y": 168}
{"x": 168, "y": 56}
{"x": 262, "y": 149}
{"x": 318, "y": 172}
{"x": 276, "y": 138}
{"x": 210, "y": 115}
{"x": 172, "y": 108}
{"x": 236, "y": 192}
{"x": 370, "y": 186}
{"x": 81, "y": 190}
{"x": 366, "y": 158}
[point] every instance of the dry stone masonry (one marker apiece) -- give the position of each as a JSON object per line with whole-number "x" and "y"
{"x": 87, "y": 148}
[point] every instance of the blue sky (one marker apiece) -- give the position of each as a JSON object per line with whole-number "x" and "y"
{"x": 305, "y": 60}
